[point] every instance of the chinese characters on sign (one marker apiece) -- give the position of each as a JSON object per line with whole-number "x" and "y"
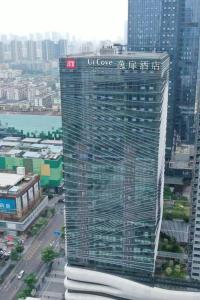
{"x": 7, "y": 205}
{"x": 139, "y": 65}
{"x": 121, "y": 64}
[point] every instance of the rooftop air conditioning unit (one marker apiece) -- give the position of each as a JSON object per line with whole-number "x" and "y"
{"x": 21, "y": 171}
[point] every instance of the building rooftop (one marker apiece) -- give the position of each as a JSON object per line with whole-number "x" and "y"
{"x": 7, "y": 179}
{"x": 31, "y": 140}
{"x": 30, "y": 154}
{"x": 8, "y": 143}
{"x": 31, "y": 148}
{"x": 12, "y": 138}
{"x": 185, "y": 149}
{"x": 177, "y": 229}
{"x": 53, "y": 142}
{"x": 182, "y": 157}
{"x": 125, "y": 55}
{"x": 12, "y": 183}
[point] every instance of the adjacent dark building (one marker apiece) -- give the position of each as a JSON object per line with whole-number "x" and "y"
{"x": 114, "y": 110}
{"x": 188, "y": 69}
{"x": 171, "y": 26}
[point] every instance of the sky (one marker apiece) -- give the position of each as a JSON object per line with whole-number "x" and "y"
{"x": 85, "y": 19}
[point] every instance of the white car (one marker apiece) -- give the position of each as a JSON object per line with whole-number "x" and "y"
{"x": 20, "y": 275}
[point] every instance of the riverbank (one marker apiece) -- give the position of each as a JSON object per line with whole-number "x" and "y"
{"x": 44, "y": 113}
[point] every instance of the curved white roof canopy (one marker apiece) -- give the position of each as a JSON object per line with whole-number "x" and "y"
{"x": 111, "y": 286}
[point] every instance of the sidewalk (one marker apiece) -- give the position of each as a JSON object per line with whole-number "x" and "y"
{"x": 52, "y": 286}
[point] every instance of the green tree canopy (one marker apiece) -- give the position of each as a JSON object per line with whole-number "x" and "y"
{"x": 14, "y": 255}
{"x": 19, "y": 248}
{"x": 31, "y": 280}
{"x": 48, "y": 254}
{"x": 24, "y": 293}
{"x": 168, "y": 271}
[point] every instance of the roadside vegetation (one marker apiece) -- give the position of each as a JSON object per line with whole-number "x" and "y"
{"x": 30, "y": 281}
{"x": 41, "y": 222}
{"x": 48, "y": 255}
{"x": 16, "y": 252}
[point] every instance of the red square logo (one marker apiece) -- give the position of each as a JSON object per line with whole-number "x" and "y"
{"x": 70, "y": 63}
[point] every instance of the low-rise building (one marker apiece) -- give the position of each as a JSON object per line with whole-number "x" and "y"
{"x": 180, "y": 167}
{"x": 21, "y": 200}
{"x": 43, "y": 158}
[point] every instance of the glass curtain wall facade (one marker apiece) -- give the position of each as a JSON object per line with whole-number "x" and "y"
{"x": 194, "y": 245}
{"x": 114, "y": 111}
{"x": 144, "y": 25}
{"x": 194, "y": 237}
{"x": 171, "y": 26}
{"x": 188, "y": 69}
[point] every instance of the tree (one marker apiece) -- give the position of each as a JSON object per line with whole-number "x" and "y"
{"x": 21, "y": 295}
{"x": 14, "y": 255}
{"x": 31, "y": 280}
{"x": 63, "y": 232}
{"x": 34, "y": 230}
{"x": 52, "y": 210}
{"x": 19, "y": 248}
{"x": 168, "y": 271}
{"x": 48, "y": 254}
{"x": 24, "y": 293}
{"x": 177, "y": 270}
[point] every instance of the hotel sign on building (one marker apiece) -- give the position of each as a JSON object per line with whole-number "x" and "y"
{"x": 123, "y": 64}
{"x": 126, "y": 64}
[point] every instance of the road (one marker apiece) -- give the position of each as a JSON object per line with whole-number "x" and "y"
{"x": 31, "y": 262}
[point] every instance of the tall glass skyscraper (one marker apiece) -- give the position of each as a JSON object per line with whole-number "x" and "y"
{"x": 194, "y": 238}
{"x": 114, "y": 110}
{"x": 171, "y": 26}
{"x": 188, "y": 69}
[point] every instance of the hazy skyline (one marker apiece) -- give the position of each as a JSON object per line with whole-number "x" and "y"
{"x": 85, "y": 19}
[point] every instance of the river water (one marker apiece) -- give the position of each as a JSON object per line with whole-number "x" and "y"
{"x": 31, "y": 123}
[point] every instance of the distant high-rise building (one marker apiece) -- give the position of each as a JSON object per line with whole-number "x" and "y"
{"x": 114, "y": 111}
{"x": 55, "y": 36}
{"x": 171, "y": 26}
{"x": 62, "y": 48}
{"x": 48, "y": 50}
{"x": 16, "y": 50}
{"x": 47, "y": 35}
{"x": 87, "y": 47}
{"x": 125, "y": 32}
{"x": 38, "y": 36}
{"x": 4, "y": 38}
{"x": 1, "y": 52}
{"x": 31, "y": 37}
{"x": 31, "y": 47}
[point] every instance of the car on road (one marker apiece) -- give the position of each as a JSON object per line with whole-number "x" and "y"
{"x": 20, "y": 275}
{"x": 61, "y": 200}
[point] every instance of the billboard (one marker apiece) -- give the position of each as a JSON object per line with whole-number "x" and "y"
{"x": 7, "y": 205}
